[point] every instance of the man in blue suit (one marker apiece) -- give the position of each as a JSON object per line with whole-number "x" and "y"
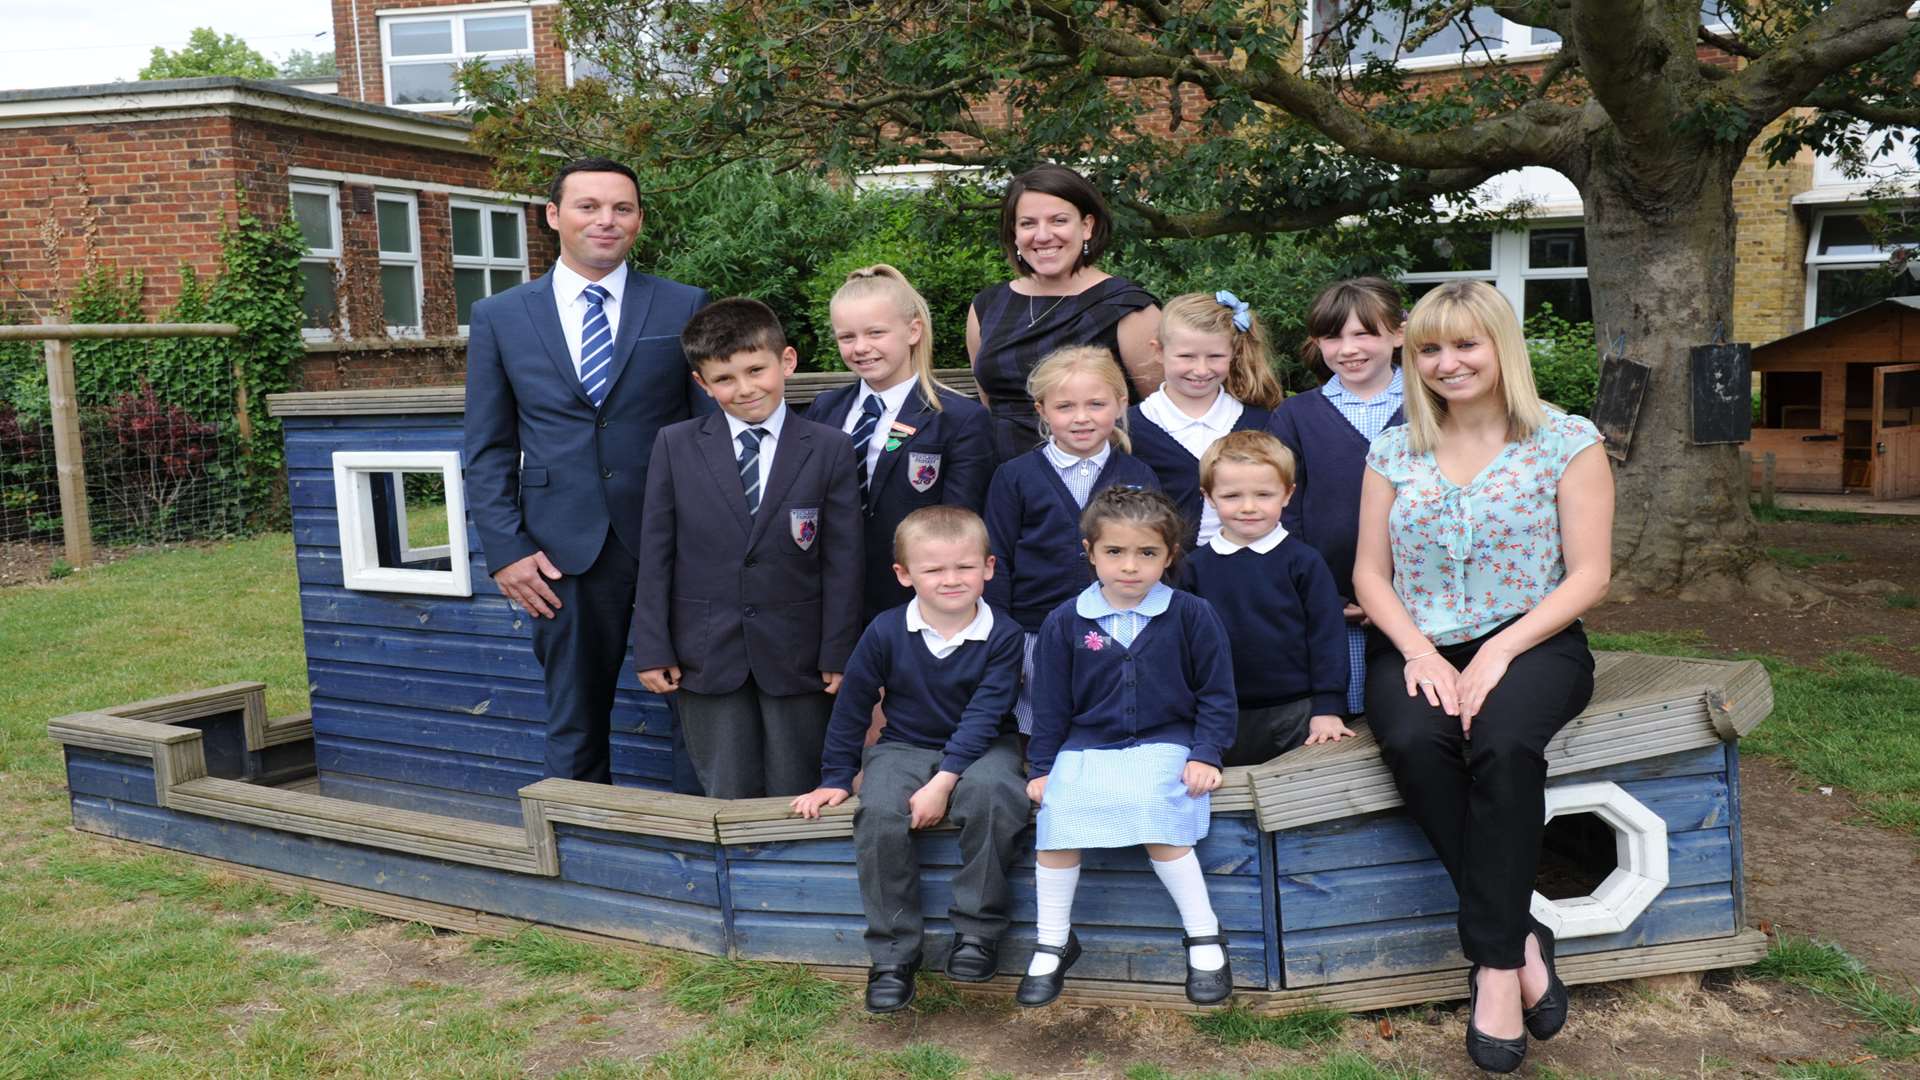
{"x": 568, "y": 379}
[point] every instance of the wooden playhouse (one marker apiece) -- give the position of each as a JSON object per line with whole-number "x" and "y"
{"x": 414, "y": 790}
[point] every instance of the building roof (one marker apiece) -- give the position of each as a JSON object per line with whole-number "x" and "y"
{"x": 274, "y": 101}
{"x": 1841, "y": 325}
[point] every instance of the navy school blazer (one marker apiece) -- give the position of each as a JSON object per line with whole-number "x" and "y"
{"x": 726, "y": 596}
{"x": 947, "y": 461}
{"x": 544, "y": 469}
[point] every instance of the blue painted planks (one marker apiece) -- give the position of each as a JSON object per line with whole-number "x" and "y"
{"x": 431, "y": 650}
{"x": 489, "y": 615}
{"x": 431, "y": 768}
{"x": 492, "y": 809}
{"x": 1733, "y": 836}
{"x": 1230, "y": 847}
{"x": 306, "y": 451}
{"x": 635, "y": 711}
{"x": 101, "y": 773}
{"x": 647, "y": 866}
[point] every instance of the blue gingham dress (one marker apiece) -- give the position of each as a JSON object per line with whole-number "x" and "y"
{"x": 1369, "y": 418}
{"x": 1119, "y": 798}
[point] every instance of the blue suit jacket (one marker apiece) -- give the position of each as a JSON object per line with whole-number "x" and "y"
{"x": 954, "y": 445}
{"x": 545, "y": 470}
{"x": 724, "y": 595}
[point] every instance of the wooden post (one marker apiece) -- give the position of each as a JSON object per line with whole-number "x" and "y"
{"x": 1766, "y": 480}
{"x": 68, "y": 456}
{"x": 1746, "y": 477}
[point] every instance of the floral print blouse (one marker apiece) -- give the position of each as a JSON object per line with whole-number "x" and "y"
{"x": 1466, "y": 559}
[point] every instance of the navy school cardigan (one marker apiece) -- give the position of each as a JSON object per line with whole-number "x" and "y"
{"x": 1179, "y": 470}
{"x": 1285, "y": 620}
{"x": 1174, "y": 685}
{"x": 956, "y": 704}
{"x": 1330, "y": 457}
{"x": 1033, "y": 529}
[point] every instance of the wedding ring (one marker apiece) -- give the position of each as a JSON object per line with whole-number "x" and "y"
{"x": 1426, "y": 682}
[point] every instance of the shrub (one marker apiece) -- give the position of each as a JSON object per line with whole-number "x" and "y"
{"x": 1566, "y": 361}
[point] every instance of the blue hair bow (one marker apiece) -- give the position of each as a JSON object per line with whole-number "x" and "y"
{"x": 1242, "y": 311}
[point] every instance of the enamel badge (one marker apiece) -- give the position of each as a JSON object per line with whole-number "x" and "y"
{"x": 805, "y": 526}
{"x": 923, "y": 471}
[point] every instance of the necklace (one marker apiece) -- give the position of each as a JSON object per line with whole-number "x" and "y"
{"x": 1032, "y": 318}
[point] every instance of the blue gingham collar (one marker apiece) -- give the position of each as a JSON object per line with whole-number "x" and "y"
{"x": 1092, "y": 603}
{"x": 1395, "y": 391}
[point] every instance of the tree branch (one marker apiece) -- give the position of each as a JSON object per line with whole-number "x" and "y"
{"x": 1162, "y": 223}
{"x": 1626, "y": 53}
{"x": 1729, "y": 44}
{"x": 1551, "y": 15}
{"x": 1871, "y": 112}
{"x": 1839, "y": 37}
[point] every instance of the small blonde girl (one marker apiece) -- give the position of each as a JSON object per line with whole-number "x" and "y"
{"x": 1218, "y": 379}
{"x": 1034, "y": 502}
{"x": 918, "y": 443}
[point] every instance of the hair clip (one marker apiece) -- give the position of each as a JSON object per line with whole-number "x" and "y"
{"x": 1242, "y": 311}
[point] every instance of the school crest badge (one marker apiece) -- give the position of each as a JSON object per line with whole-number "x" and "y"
{"x": 923, "y": 471}
{"x": 805, "y": 526}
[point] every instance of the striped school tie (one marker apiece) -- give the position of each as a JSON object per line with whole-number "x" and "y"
{"x": 863, "y": 438}
{"x": 750, "y": 466}
{"x": 596, "y": 344}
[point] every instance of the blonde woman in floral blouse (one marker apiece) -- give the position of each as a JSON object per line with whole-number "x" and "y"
{"x": 1485, "y": 533}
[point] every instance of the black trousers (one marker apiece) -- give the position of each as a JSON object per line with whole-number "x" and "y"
{"x": 581, "y": 650}
{"x": 1481, "y": 801}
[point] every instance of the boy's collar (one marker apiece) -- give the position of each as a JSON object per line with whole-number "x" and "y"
{"x": 773, "y": 423}
{"x": 1226, "y": 545}
{"x": 978, "y": 630}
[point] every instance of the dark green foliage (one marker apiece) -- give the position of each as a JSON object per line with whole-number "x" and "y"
{"x": 1566, "y": 361}
{"x": 208, "y": 52}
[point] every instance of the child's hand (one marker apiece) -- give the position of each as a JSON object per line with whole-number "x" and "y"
{"x": 832, "y": 679}
{"x": 1327, "y": 728}
{"x": 1200, "y": 778}
{"x": 1036, "y": 787}
{"x": 929, "y": 804}
{"x": 1356, "y": 616}
{"x": 808, "y": 805}
{"x": 661, "y": 680}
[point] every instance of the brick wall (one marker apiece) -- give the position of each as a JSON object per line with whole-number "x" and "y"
{"x": 357, "y": 45}
{"x": 1770, "y": 246}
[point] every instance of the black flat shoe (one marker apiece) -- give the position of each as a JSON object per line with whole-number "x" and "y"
{"x": 1491, "y": 1054}
{"x": 1545, "y": 1017}
{"x": 1208, "y": 987}
{"x": 1038, "y": 990}
{"x": 973, "y": 959}
{"x": 890, "y": 986}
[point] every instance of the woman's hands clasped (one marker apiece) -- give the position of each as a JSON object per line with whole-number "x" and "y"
{"x": 1458, "y": 693}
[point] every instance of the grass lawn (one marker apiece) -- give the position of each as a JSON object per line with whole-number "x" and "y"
{"x": 114, "y": 964}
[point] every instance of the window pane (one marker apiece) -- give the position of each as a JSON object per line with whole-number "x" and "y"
{"x": 1556, "y": 247}
{"x": 315, "y": 215}
{"x": 1537, "y": 36}
{"x": 317, "y": 298}
{"x": 506, "y": 235}
{"x": 1851, "y": 234}
{"x": 1460, "y": 251}
{"x": 1385, "y": 36}
{"x": 466, "y": 232}
{"x": 1417, "y": 289}
{"x": 422, "y": 84}
{"x": 504, "y": 279}
{"x": 433, "y": 37}
{"x": 1568, "y": 296}
{"x": 1837, "y": 292}
{"x": 468, "y": 286}
{"x": 490, "y": 32}
{"x": 397, "y": 293}
{"x": 396, "y": 225}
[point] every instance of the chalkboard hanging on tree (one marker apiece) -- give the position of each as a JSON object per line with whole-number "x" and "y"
{"x": 1721, "y": 390}
{"x": 1616, "y": 405}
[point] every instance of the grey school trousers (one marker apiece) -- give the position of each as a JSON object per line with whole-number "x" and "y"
{"x": 748, "y": 743}
{"x": 989, "y": 805}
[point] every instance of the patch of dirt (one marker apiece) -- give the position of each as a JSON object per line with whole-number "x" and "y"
{"x": 1880, "y": 558}
{"x": 26, "y": 562}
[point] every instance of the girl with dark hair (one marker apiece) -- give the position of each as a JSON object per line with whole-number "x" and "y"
{"x": 1054, "y": 227}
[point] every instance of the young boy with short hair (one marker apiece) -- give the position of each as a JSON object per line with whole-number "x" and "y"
{"x": 1276, "y": 598}
{"x": 950, "y": 666}
{"x": 750, "y": 563}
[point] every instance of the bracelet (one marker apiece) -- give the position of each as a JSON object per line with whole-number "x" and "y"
{"x": 1422, "y": 656}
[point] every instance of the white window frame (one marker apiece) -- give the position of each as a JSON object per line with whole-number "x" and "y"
{"x": 1506, "y": 52}
{"x": 360, "y": 569}
{"x": 334, "y": 259}
{"x": 1816, "y": 262}
{"x": 411, "y": 260}
{"x": 1508, "y": 268}
{"x": 487, "y": 262}
{"x": 457, "y": 18}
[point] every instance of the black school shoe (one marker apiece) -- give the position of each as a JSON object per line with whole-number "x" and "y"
{"x": 973, "y": 959}
{"x": 1490, "y": 1054}
{"x": 1208, "y": 987}
{"x": 1038, "y": 990}
{"x": 1546, "y": 1017}
{"x": 890, "y": 986}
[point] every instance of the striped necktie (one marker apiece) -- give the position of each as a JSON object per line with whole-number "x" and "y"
{"x": 863, "y": 439}
{"x": 750, "y": 466}
{"x": 596, "y": 344}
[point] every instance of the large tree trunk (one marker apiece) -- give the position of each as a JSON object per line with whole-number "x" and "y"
{"x": 1660, "y": 248}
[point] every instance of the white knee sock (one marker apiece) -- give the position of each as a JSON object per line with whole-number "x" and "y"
{"x": 1188, "y": 886}
{"x": 1053, "y": 903}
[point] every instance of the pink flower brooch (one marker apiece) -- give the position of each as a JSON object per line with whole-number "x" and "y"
{"x": 1094, "y": 641}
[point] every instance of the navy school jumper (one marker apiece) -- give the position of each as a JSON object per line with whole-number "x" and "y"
{"x": 1033, "y": 528}
{"x": 1178, "y": 470}
{"x": 956, "y": 704}
{"x": 947, "y": 461}
{"x": 1330, "y": 461}
{"x": 1284, "y": 618}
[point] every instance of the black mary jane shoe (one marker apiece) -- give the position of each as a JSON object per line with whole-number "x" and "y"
{"x": 973, "y": 959}
{"x": 1545, "y": 1017}
{"x": 890, "y": 986}
{"x": 1208, "y": 987}
{"x": 1490, "y": 1054}
{"x": 1038, "y": 990}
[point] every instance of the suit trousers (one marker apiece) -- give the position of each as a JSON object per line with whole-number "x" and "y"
{"x": 1481, "y": 801}
{"x": 1266, "y": 733}
{"x": 581, "y": 651}
{"x": 989, "y": 805}
{"x": 746, "y": 744}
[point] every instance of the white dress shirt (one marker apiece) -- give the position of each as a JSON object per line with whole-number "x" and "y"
{"x": 977, "y": 630}
{"x": 1226, "y": 545}
{"x": 891, "y": 401}
{"x": 768, "y": 442}
{"x": 1196, "y": 434}
{"x": 567, "y": 287}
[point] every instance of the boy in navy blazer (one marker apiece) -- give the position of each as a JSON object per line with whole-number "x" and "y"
{"x": 750, "y": 563}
